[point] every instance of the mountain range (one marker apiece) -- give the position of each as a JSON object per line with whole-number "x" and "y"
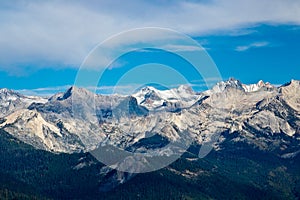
{"x": 230, "y": 117}
{"x": 78, "y": 120}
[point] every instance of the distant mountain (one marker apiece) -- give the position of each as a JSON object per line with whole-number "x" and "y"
{"x": 260, "y": 85}
{"x": 79, "y": 120}
{"x": 251, "y": 132}
{"x": 233, "y": 83}
{"x": 11, "y": 101}
{"x": 154, "y": 99}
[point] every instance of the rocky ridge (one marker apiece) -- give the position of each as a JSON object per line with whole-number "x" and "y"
{"x": 262, "y": 115}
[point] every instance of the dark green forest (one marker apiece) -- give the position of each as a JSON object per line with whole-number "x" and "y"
{"x": 237, "y": 172}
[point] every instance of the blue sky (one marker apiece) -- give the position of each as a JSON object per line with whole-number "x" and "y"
{"x": 43, "y": 43}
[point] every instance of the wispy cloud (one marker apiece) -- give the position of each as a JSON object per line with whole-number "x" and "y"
{"x": 118, "y": 89}
{"x": 59, "y": 34}
{"x": 179, "y": 48}
{"x": 46, "y": 92}
{"x": 252, "y": 45}
{"x": 49, "y": 91}
{"x": 173, "y": 48}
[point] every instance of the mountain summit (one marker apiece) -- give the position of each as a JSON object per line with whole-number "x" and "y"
{"x": 11, "y": 101}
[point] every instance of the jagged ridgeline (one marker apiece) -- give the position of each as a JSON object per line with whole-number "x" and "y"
{"x": 45, "y": 145}
{"x": 256, "y": 110}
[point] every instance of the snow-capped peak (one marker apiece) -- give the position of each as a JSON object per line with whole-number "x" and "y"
{"x": 4, "y": 92}
{"x": 233, "y": 83}
{"x": 146, "y": 93}
{"x": 153, "y": 98}
{"x": 148, "y": 89}
{"x": 223, "y": 85}
{"x": 255, "y": 87}
{"x": 11, "y": 101}
{"x": 185, "y": 89}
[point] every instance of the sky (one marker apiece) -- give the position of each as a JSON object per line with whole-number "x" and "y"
{"x": 44, "y": 43}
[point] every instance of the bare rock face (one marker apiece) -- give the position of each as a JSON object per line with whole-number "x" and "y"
{"x": 291, "y": 94}
{"x": 11, "y": 101}
{"x": 79, "y": 120}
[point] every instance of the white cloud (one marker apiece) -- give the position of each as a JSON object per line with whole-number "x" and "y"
{"x": 173, "y": 48}
{"x": 126, "y": 89}
{"x": 179, "y": 48}
{"x": 252, "y": 45}
{"x": 61, "y": 33}
{"x": 47, "y": 91}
